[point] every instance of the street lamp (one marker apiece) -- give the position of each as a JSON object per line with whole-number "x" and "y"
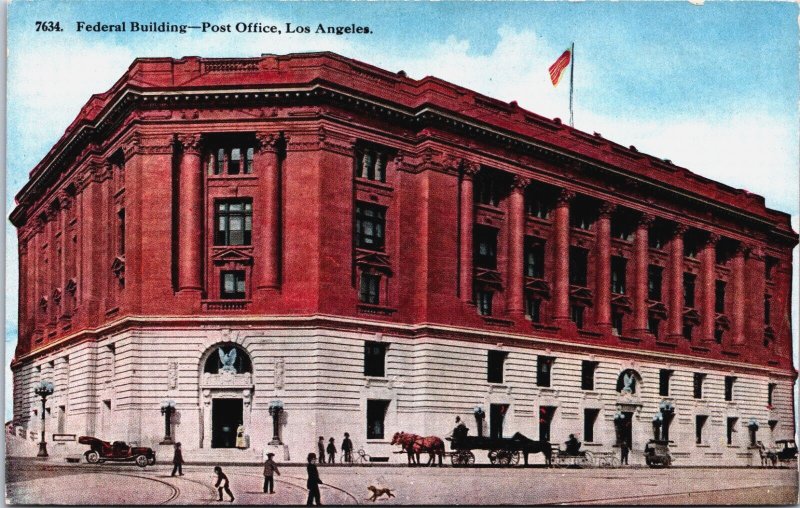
{"x": 275, "y": 410}
{"x": 479, "y": 415}
{"x": 167, "y": 408}
{"x": 43, "y": 389}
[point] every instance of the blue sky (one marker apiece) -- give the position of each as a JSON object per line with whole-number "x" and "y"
{"x": 713, "y": 87}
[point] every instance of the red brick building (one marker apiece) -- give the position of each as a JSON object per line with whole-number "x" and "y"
{"x": 384, "y": 253}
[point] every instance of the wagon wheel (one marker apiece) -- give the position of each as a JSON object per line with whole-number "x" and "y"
{"x": 515, "y": 457}
{"x": 470, "y": 458}
{"x": 587, "y": 459}
{"x": 493, "y": 456}
{"x": 455, "y": 458}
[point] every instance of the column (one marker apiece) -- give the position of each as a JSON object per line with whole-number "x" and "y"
{"x": 36, "y": 260}
{"x": 675, "y": 317}
{"x": 66, "y": 203}
{"x": 52, "y": 260}
{"x": 756, "y": 287}
{"x": 561, "y": 258}
{"x": 641, "y": 248}
{"x": 466, "y": 221}
{"x": 24, "y": 306}
{"x": 190, "y": 206}
{"x": 738, "y": 317}
{"x": 267, "y": 237}
{"x": 708, "y": 263}
{"x": 602, "y": 304}
{"x": 516, "y": 245}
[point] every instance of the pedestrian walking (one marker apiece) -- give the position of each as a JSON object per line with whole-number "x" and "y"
{"x": 321, "y": 449}
{"x": 624, "y": 451}
{"x": 347, "y": 448}
{"x": 331, "y": 452}
{"x": 222, "y": 484}
{"x": 177, "y": 460}
{"x": 270, "y": 469}
{"x": 313, "y": 482}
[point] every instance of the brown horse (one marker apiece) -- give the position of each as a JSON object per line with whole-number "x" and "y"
{"x": 415, "y": 444}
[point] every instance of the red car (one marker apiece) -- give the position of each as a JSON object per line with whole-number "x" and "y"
{"x": 118, "y": 451}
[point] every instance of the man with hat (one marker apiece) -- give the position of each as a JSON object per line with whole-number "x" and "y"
{"x": 270, "y": 468}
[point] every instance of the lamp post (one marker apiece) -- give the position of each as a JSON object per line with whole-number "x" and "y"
{"x": 167, "y": 409}
{"x": 275, "y": 410}
{"x": 752, "y": 426}
{"x": 479, "y": 416}
{"x": 43, "y": 389}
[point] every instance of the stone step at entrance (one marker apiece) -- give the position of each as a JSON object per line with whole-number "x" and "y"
{"x": 212, "y": 456}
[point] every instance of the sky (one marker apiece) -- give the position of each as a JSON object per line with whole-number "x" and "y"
{"x": 712, "y": 87}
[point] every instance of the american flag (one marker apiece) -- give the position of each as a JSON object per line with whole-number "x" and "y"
{"x": 557, "y": 69}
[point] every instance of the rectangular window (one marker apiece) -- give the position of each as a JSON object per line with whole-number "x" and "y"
{"x": 698, "y": 385}
{"x": 233, "y": 160}
{"x": 700, "y": 422}
{"x": 718, "y": 334}
{"x": 770, "y": 393}
{"x": 589, "y": 419}
{"x": 719, "y": 300}
{"x": 616, "y": 323}
{"x": 534, "y": 259}
{"x": 664, "y": 376}
{"x": 537, "y": 207}
{"x": 369, "y": 289}
{"x": 370, "y": 225}
{"x": 376, "y": 416}
{"x": 371, "y": 164}
{"x": 587, "y": 374}
{"x": 767, "y": 309}
{"x": 494, "y": 367}
{"x": 729, "y": 381}
{"x": 533, "y": 309}
{"x": 654, "y": 274}
{"x": 621, "y": 230}
{"x": 487, "y": 189}
{"x": 731, "y": 429}
{"x": 577, "y": 315}
{"x": 485, "y": 247}
{"x": 688, "y": 289}
{"x": 497, "y": 416}
{"x": 234, "y": 220}
{"x": 544, "y": 365}
{"x": 618, "y": 275}
{"x": 483, "y": 300}
{"x": 652, "y": 325}
{"x": 121, "y": 232}
{"x": 581, "y": 218}
{"x": 687, "y": 330}
{"x": 655, "y": 240}
{"x": 578, "y": 262}
{"x": 232, "y": 285}
{"x": 769, "y": 266}
{"x": 375, "y": 359}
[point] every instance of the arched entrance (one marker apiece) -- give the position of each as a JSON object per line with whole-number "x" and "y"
{"x": 629, "y": 385}
{"x": 226, "y": 384}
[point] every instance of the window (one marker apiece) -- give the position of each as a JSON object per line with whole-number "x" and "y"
{"x": 533, "y": 309}
{"x": 769, "y": 267}
{"x": 537, "y": 207}
{"x": 719, "y": 300}
{"x": 578, "y": 261}
{"x": 486, "y": 247}
{"x": 369, "y": 289}
{"x": 121, "y": 232}
{"x": 656, "y": 240}
{"x": 497, "y": 416}
{"x": 483, "y": 299}
{"x": 371, "y": 164}
{"x": 687, "y": 330}
{"x": 231, "y": 160}
{"x": 621, "y": 231}
{"x": 581, "y": 218}
{"x": 767, "y": 309}
{"x": 698, "y": 385}
{"x": 232, "y": 285}
{"x": 234, "y": 220}
{"x": 654, "y": 274}
{"x": 616, "y": 323}
{"x": 376, "y": 415}
{"x": 729, "y": 380}
{"x": 534, "y": 259}
{"x": 770, "y": 393}
{"x": 494, "y": 366}
{"x": 618, "y": 275}
{"x": 577, "y": 315}
{"x": 374, "y": 359}
{"x": 587, "y": 374}
{"x": 370, "y": 224}
{"x": 690, "y": 249}
{"x": 664, "y": 376}
{"x": 487, "y": 188}
{"x": 718, "y": 334}
{"x": 652, "y": 325}
{"x": 699, "y": 423}
{"x": 544, "y": 365}
{"x": 688, "y": 289}
{"x": 589, "y": 419}
{"x": 731, "y": 428}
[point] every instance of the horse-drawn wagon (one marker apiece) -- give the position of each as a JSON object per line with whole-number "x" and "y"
{"x": 501, "y": 451}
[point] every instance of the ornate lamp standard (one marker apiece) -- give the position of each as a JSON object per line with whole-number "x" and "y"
{"x": 479, "y": 416}
{"x": 167, "y": 409}
{"x": 43, "y": 389}
{"x": 275, "y": 410}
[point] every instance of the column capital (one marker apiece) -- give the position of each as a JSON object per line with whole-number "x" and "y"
{"x": 646, "y": 220}
{"x": 519, "y": 183}
{"x": 679, "y": 229}
{"x": 469, "y": 169}
{"x": 267, "y": 142}
{"x": 565, "y": 197}
{"x": 711, "y": 239}
{"x": 741, "y": 249}
{"x": 606, "y": 209}
{"x": 756, "y": 252}
{"x": 190, "y": 143}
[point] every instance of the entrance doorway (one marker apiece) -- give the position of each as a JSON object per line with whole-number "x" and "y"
{"x": 546, "y": 414}
{"x": 626, "y": 429}
{"x": 497, "y": 414}
{"x": 226, "y": 416}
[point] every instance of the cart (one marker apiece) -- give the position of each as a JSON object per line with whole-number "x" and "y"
{"x": 501, "y": 451}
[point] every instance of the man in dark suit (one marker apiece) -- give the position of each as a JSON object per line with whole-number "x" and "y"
{"x": 177, "y": 460}
{"x": 270, "y": 469}
{"x": 313, "y": 482}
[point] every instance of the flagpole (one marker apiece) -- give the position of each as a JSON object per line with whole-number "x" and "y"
{"x": 571, "y": 76}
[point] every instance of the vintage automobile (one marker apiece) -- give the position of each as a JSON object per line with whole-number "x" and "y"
{"x": 118, "y": 451}
{"x": 656, "y": 453}
{"x": 789, "y": 450}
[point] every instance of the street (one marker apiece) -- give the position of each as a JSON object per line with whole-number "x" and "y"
{"x": 30, "y": 481}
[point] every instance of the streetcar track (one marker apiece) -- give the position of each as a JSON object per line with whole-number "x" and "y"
{"x": 351, "y": 496}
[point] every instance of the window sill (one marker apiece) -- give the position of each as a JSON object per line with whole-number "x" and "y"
{"x": 367, "y": 308}
{"x": 497, "y": 321}
{"x": 223, "y": 177}
{"x": 225, "y": 305}
{"x": 374, "y": 183}
{"x": 702, "y": 445}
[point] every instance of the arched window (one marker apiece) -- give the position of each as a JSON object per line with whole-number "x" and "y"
{"x": 228, "y": 357}
{"x": 629, "y": 379}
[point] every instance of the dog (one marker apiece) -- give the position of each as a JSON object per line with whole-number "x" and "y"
{"x": 378, "y": 492}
